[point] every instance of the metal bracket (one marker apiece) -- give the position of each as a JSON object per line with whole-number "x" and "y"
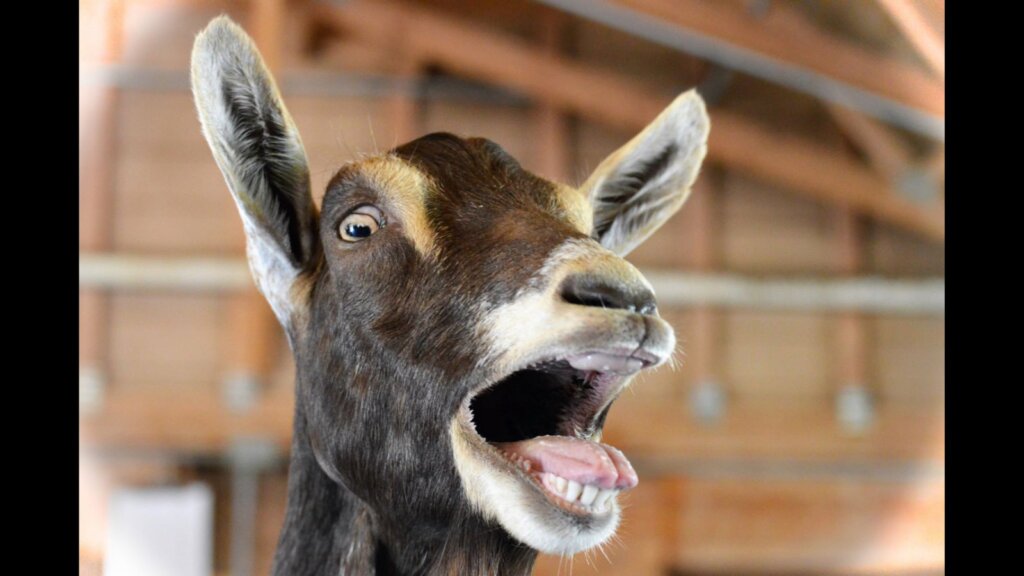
{"x": 91, "y": 390}
{"x": 855, "y": 409}
{"x": 241, "y": 391}
{"x": 708, "y": 402}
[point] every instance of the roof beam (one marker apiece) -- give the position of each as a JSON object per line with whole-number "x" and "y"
{"x": 781, "y": 47}
{"x": 785, "y": 34}
{"x": 921, "y": 35}
{"x": 789, "y": 162}
{"x": 884, "y": 150}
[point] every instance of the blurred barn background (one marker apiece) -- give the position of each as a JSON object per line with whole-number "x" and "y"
{"x": 803, "y": 432}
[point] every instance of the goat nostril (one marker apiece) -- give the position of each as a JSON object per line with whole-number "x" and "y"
{"x": 599, "y": 292}
{"x": 648, "y": 308}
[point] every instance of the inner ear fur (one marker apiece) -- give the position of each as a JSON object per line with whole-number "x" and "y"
{"x": 639, "y": 186}
{"x": 259, "y": 152}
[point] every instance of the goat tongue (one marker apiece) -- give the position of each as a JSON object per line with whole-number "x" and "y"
{"x": 585, "y": 462}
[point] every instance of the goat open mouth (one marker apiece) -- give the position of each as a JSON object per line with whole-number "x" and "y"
{"x": 545, "y": 421}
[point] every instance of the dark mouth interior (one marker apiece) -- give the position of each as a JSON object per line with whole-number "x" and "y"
{"x": 538, "y": 401}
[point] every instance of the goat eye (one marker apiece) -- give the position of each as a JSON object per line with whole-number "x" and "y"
{"x": 360, "y": 224}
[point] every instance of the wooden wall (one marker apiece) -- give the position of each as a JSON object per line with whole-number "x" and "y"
{"x": 776, "y": 484}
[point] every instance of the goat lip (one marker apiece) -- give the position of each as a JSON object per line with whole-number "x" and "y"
{"x": 606, "y": 363}
{"x": 620, "y": 362}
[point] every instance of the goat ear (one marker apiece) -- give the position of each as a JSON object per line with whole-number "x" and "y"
{"x": 258, "y": 150}
{"x": 635, "y": 190}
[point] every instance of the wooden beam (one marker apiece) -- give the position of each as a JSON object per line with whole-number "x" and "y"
{"x": 785, "y": 36}
{"x": 935, "y": 164}
{"x": 156, "y": 421}
{"x": 96, "y": 190}
{"x": 551, "y": 125}
{"x": 265, "y": 20}
{"x": 478, "y": 52}
{"x": 851, "y": 332}
{"x": 888, "y": 155}
{"x": 919, "y": 32}
{"x": 827, "y": 176}
{"x": 800, "y": 431}
{"x": 251, "y": 332}
{"x": 403, "y": 105}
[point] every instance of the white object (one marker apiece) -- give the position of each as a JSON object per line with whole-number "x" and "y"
{"x": 160, "y": 532}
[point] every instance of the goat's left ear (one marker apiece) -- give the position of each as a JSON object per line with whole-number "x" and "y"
{"x": 635, "y": 190}
{"x": 258, "y": 149}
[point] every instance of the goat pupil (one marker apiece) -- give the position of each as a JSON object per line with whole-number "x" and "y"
{"x": 358, "y": 230}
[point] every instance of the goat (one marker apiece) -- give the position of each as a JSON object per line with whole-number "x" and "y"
{"x": 460, "y": 329}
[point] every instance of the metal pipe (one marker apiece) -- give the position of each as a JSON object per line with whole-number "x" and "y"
{"x": 163, "y": 273}
{"x": 248, "y": 459}
{"x": 755, "y": 64}
{"x": 867, "y": 294}
{"x": 245, "y": 485}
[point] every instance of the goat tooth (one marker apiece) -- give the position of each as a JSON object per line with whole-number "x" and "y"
{"x": 588, "y": 495}
{"x": 549, "y": 480}
{"x": 561, "y": 484}
{"x": 573, "y": 491}
{"x": 603, "y": 500}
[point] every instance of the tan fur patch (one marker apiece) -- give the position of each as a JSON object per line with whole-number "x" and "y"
{"x": 540, "y": 320}
{"x": 407, "y": 189}
{"x": 577, "y": 206}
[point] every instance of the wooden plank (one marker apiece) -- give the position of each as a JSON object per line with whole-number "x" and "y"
{"x": 784, "y": 160}
{"x": 253, "y": 336}
{"x": 195, "y": 423}
{"x": 265, "y": 26}
{"x": 784, "y": 35}
{"x": 551, "y": 154}
{"x": 825, "y": 176}
{"x": 96, "y": 181}
{"x": 160, "y": 33}
{"x": 166, "y": 342}
{"x": 851, "y": 334}
{"x": 511, "y": 127}
{"x": 909, "y": 359}
{"x": 774, "y": 354}
{"x": 823, "y": 527}
{"x": 766, "y": 232}
{"x": 891, "y": 251}
{"x": 340, "y": 129}
{"x": 403, "y": 105}
{"x": 767, "y": 429}
{"x": 174, "y": 206}
{"x": 885, "y": 152}
{"x": 922, "y": 36}
{"x": 935, "y": 165}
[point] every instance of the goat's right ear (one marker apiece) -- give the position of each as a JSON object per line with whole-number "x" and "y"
{"x": 639, "y": 186}
{"x": 257, "y": 148}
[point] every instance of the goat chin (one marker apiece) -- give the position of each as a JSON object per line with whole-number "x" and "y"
{"x": 521, "y": 509}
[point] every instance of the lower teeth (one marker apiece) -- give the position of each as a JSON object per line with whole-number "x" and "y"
{"x": 588, "y": 496}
